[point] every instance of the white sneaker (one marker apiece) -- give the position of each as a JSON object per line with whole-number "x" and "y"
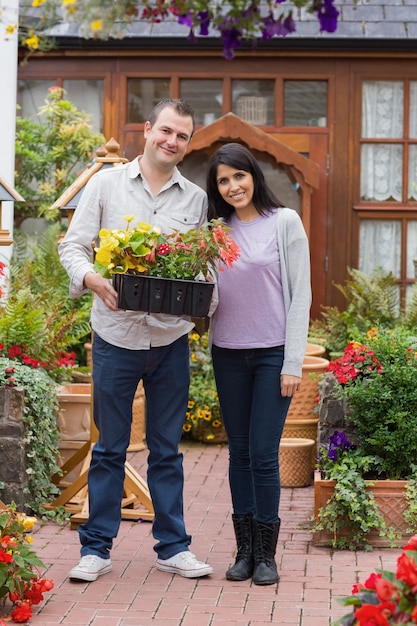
{"x": 90, "y": 568}
{"x": 185, "y": 564}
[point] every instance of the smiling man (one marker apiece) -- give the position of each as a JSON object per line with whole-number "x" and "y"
{"x": 129, "y": 346}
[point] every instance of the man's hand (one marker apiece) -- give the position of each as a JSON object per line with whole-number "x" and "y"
{"x": 102, "y": 288}
{"x": 289, "y": 385}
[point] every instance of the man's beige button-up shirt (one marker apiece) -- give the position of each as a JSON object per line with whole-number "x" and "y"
{"x": 109, "y": 195}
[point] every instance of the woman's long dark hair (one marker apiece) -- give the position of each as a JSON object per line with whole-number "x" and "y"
{"x": 240, "y": 158}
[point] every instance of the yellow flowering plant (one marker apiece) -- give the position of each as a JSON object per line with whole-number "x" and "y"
{"x": 21, "y": 583}
{"x": 203, "y": 420}
{"x": 145, "y": 250}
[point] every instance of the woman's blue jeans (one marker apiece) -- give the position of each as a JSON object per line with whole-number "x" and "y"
{"x": 254, "y": 412}
{"x": 116, "y": 374}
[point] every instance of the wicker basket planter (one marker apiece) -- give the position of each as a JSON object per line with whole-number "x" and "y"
{"x": 303, "y": 429}
{"x": 390, "y": 498}
{"x": 295, "y": 462}
{"x": 304, "y": 402}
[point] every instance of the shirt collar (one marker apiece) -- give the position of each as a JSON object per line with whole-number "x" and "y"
{"x": 176, "y": 179}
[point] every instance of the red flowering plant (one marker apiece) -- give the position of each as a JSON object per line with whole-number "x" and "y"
{"x": 377, "y": 381}
{"x": 358, "y": 360}
{"x": 378, "y": 378}
{"x": 145, "y": 250}
{"x": 386, "y": 597}
{"x": 22, "y": 584}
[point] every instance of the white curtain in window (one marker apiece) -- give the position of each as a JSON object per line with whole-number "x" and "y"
{"x": 382, "y": 117}
{"x": 412, "y": 158}
{"x": 411, "y": 247}
{"x": 380, "y": 246}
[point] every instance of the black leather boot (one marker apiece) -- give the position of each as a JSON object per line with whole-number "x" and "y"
{"x": 265, "y": 545}
{"x": 243, "y": 567}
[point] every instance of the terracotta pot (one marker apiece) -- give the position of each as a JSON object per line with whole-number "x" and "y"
{"x": 390, "y": 498}
{"x": 314, "y": 349}
{"x": 75, "y": 411}
{"x": 295, "y": 462}
{"x": 304, "y": 401}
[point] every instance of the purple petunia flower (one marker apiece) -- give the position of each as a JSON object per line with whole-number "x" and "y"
{"x": 327, "y": 14}
{"x": 338, "y": 442}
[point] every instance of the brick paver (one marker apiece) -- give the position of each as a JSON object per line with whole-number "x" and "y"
{"x": 136, "y": 594}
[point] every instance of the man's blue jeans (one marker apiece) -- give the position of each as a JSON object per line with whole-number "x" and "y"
{"x": 116, "y": 374}
{"x": 254, "y": 412}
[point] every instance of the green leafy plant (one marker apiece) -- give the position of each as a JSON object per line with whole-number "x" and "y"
{"x": 382, "y": 398}
{"x": 410, "y": 514}
{"x": 203, "y": 418}
{"x": 39, "y": 313}
{"x": 50, "y": 154}
{"x": 41, "y": 431}
{"x": 21, "y": 581}
{"x": 377, "y": 377}
{"x": 351, "y": 512}
{"x": 371, "y": 300}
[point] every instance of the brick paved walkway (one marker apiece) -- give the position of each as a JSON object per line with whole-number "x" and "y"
{"x": 136, "y": 594}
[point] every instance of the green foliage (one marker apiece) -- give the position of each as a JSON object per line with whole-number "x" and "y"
{"x": 51, "y": 154}
{"x": 371, "y": 301}
{"x": 410, "y": 514}
{"x": 41, "y": 431}
{"x": 351, "y": 512}
{"x": 39, "y": 312}
{"x": 383, "y": 404}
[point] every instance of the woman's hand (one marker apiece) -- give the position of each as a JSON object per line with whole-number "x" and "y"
{"x": 289, "y": 385}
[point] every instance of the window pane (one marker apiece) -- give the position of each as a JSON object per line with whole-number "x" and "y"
{"x": 412, "y": 174}
{"x": 253, "y": 101}
{"x": 381, "y": 172}
{"x": 305, "y": 103}
{"x": 380, "y": 246}
{"x": 31, "y": 95}
{"x": 87, "y": 95}
{"x": 411, "y": 247}
{"x": 382, "y": 109}
{"x": 142, "y": 95}
{"x": 205, "y": 96}
{"x": 413, "y": 109}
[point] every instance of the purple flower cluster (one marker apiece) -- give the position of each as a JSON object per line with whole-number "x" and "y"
{"x": 235, "y": 26}
{"x": 338, "y": 443}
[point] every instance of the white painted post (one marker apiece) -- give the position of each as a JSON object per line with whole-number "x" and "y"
{"x": 8, "y": 72}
